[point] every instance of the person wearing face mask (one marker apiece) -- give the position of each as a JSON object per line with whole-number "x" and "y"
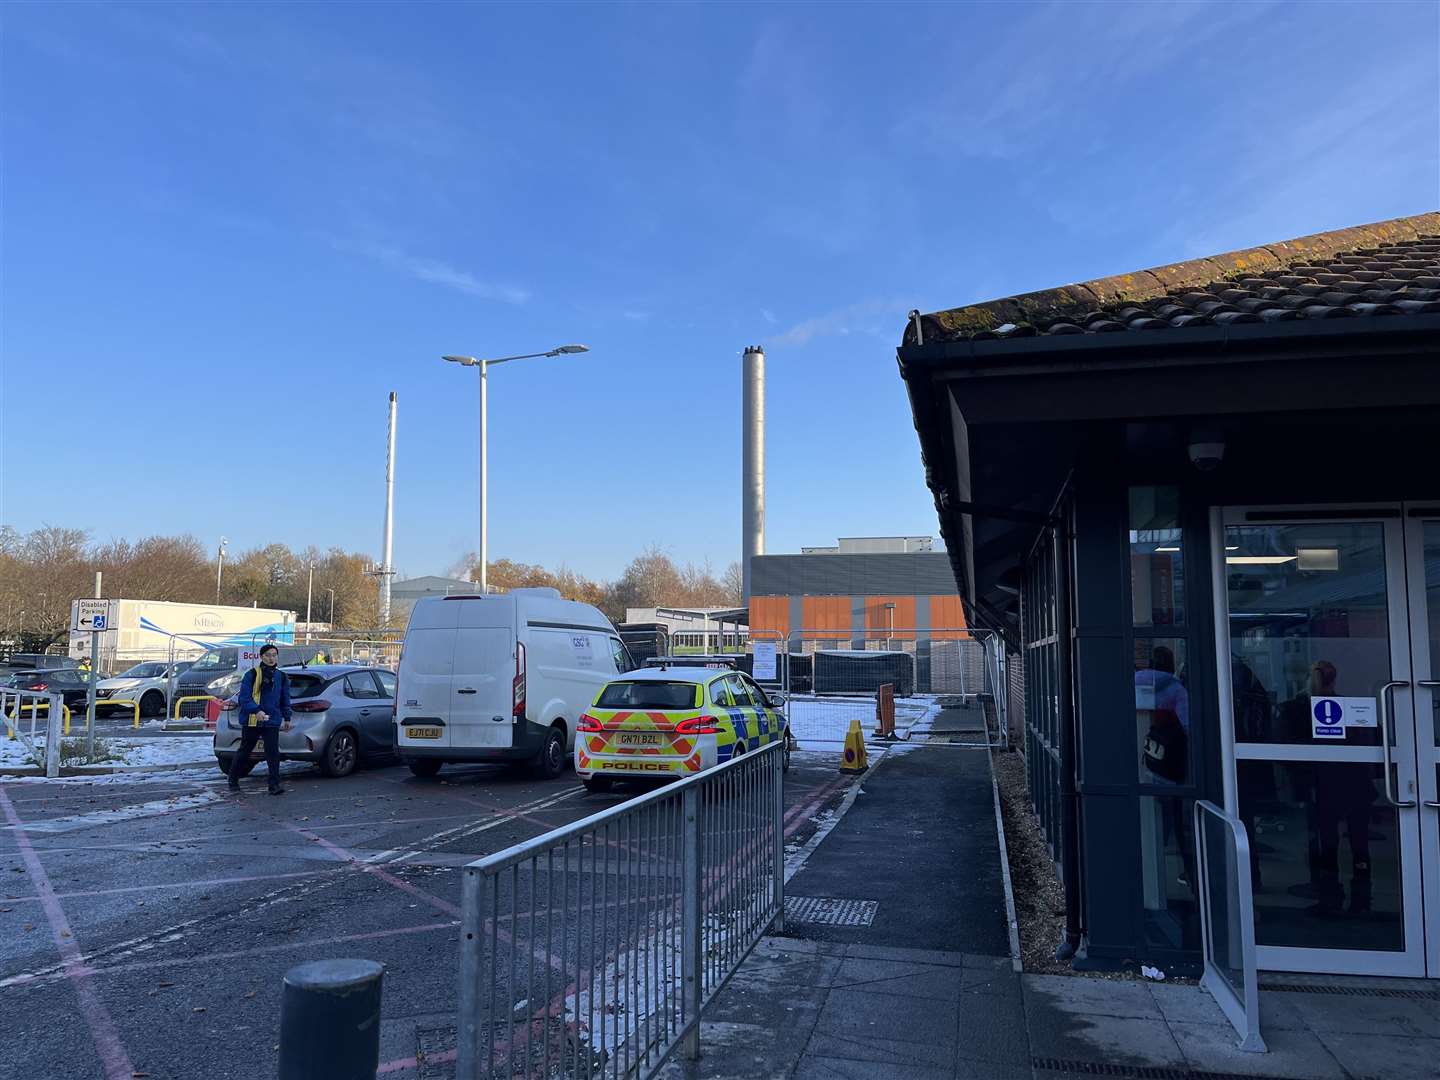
{"x": 264, "y": 705}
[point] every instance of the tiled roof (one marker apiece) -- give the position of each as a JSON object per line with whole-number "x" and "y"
{"x": 1386, "y": 269}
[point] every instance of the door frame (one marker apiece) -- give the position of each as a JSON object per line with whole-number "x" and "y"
{"x": 1424, "y": 701}
{"x": 1421, "y": 906}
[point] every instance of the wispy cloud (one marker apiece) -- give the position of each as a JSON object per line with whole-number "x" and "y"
{"x": 879, "y": 317}
{"x": 769, "y": 316}
{"x": 436, "y": 272}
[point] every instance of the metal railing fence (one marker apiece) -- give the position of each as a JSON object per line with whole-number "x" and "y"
{"x": 590, "y": 951}
{"x": 1227, "y": 921}
{"x": 16, "y": 704}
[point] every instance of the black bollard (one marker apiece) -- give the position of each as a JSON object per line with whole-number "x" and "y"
{"x": 330, "y": 1020}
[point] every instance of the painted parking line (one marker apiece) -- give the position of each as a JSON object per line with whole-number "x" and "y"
{"x": 97, "y": 818}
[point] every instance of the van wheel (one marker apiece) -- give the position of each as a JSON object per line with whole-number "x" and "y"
{"x": 340, "y": 754}
{"x": 551, "y": 762}
{"x": 426, "y": 768}
{"x": 152, "y": 704}
{"x": 598, "y": 785}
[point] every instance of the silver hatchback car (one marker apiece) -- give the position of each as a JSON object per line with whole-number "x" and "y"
{"x": 342, "y": 714}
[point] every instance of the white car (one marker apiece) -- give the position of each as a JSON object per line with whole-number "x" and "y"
{"x": 148, "y": 683}
{"x": 501, "y": 678}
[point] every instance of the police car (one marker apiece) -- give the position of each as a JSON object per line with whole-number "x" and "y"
{"x": 671, "y": 722}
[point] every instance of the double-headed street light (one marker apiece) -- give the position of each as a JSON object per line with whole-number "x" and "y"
{"x": 484, "y": 364}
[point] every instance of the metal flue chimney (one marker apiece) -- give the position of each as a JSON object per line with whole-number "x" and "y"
{"x": 752, "y": 464}
{"x": 386, "y": 569}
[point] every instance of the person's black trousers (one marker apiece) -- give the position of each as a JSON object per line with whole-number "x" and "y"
{"x": 248, "y": 735}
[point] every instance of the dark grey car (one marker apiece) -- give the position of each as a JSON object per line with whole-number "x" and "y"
{"x": 343, "y": 714}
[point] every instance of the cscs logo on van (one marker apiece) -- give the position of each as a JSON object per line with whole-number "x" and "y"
{"x": 208, "y": 620}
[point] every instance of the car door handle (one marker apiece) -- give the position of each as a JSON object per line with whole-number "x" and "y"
{"x": 364, "y": 712}
{"x": 467, "y": 690}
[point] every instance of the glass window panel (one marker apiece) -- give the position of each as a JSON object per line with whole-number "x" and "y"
{"x": 1167, "y": 887}
{"x": 1324, "y": 854}
{"x": 1157, "y": 569}
{"x": 1432, "y": 619}
{"x": 1162, "y": 711}
{"x": 1308, "y": 617}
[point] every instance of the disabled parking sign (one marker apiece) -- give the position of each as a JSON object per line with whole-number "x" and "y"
{"x": 1330, "y": 716}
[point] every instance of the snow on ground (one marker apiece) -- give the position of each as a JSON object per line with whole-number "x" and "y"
{"x": 823, "y": 720}
{"x": 176, "y": 750}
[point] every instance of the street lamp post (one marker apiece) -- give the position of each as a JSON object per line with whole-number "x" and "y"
{"x": 332, "y": 610}
{"x": 484, "y": 365}
{"x": 309, "y": 591}
{"x": 220, "y": 568}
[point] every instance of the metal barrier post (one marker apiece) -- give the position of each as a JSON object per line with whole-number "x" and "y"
{"x": 1240, "y": 1004}
{"x": 472, "y": 927}
{"x": 691, "y": 944}
{"x": 52, "y": 735}
{"x": 777, "y": 778}
{"x": 330, "y": 1020}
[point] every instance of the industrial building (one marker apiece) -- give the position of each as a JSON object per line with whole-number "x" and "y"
{"x": 1201, "y": 501}
{"x": 860, "y": 590}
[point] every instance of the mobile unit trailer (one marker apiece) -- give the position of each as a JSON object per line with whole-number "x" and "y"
{"x": 137, "y": 630}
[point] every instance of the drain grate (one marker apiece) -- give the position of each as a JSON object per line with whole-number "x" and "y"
{"x": 830, "y": 910}
{"x": 1133, "y": 1072}
{"x": 1353, "y": 991}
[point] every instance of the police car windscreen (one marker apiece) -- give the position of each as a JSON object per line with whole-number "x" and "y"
{"x": 648, "y": 695}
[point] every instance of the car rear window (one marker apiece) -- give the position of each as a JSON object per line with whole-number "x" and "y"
{"x": 305, "y": 685}
{"x": 648, "y": 695}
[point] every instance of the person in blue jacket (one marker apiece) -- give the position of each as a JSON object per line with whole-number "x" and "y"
{"x": 264, "y": 704}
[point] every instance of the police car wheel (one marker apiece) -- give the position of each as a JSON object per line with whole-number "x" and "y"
{"x": 598, "y": 784}
{"x": 785, "y": 753}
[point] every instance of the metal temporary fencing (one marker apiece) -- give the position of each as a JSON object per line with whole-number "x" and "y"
{"x": 1227, "y": 920}
{"x": 945, "y": 677}
{"x": 590, "y": 951}
{"x": 18, "y": 705}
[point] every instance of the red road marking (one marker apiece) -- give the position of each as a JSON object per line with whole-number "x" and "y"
{"x": 102, "y": 1028}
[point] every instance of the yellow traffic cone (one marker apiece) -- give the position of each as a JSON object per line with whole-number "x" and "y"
{"x": 854, "y": 760}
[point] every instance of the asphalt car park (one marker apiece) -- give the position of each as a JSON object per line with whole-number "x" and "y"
{"x": 151, "y": 922}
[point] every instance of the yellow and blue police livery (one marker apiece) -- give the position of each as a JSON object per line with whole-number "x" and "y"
{"x": 664, "y": 723}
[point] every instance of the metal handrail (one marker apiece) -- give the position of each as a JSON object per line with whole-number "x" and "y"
{"x": 681, "y": 883}
{"x": 1241, "y": 1008}
{"x": 57, "y": 713}
{"x": 1385, "y": 744}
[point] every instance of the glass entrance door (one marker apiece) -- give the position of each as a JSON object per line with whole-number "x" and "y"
{"x": 1328, "y": 654}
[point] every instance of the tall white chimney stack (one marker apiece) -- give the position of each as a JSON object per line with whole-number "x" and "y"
{"x": 386, "y": 569}
{"x": 752, "y": 466}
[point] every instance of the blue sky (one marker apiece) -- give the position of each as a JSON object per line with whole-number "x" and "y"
{"x": 229, "y": 231}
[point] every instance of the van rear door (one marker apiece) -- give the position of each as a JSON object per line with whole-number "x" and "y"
{"x": 422, "y": 712}
{"x": 483, "y": 678}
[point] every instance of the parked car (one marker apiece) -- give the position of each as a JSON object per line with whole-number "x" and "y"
{"x": 68, "y": 682}
{"x": 343, "y": 714}
{"x": 216, "y": 673}
{"x": 148, "y": 683}
{"x": 668, "y": 723}
{"x": 501, "y": 678}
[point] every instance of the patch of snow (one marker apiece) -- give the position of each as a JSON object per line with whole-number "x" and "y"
{"x": 177, "y": 750}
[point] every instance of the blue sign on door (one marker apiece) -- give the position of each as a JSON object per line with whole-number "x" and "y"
{"x": 1329, "y": 719}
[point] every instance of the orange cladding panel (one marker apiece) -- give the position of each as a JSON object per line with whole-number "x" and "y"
{"x": 879, "y": 619}
{"x": 827, "y": 616}
{"x": 947, "y": 615}
{"x": 770, "y": 613}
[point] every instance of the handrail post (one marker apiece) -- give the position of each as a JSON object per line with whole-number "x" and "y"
{"x": 691, "y": 925}
{"x": 472, "y": 926}
{"x": 777, "y": 777}
{"x": 55, "y": 716}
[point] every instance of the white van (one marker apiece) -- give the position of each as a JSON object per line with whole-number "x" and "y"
{"x": 500, "y": 678}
